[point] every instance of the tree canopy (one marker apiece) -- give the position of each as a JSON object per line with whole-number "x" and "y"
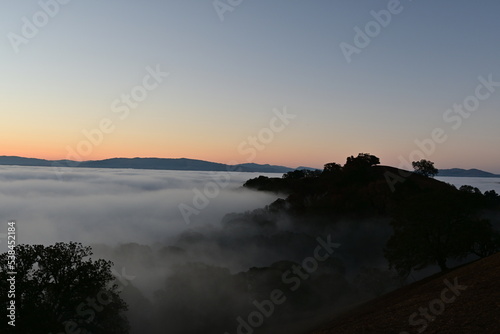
{"x": 433, "y": 222}
{"x": 332, "y": 167}
{"x": 363, "y": 160}
{"x": 425, "y": 168}
{"x": 435, "y": 226}
{"x": 60, "y": 289}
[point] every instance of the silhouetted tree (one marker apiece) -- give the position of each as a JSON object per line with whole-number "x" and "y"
{"x": 484, "y": 240}
{"x": 313, "y": 173}
{"x": 295, "y": 174}
{"x": 435, "y": 226}
{"x": 363, "y": 160}
{"x": 470, "y": 189}
{"x": 425, "y": 168}
{"x": 491, "y": 195}
{"x": 58, "y": 290}
{"x": 359, "y": 169}
{"x": 332, "y": 168}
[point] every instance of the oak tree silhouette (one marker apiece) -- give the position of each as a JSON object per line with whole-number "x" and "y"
{"x": 59, "y": 289}
{"x": 425, "y": 168}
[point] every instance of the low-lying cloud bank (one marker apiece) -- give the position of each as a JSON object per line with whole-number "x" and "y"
{"x": 208, "y": 275}
{"x": 113, "y": 206}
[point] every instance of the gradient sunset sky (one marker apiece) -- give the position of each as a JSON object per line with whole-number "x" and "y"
{"x": 227, "y": 76}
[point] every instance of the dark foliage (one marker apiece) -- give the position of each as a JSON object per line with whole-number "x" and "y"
{"x": 433, "y": 222}
{"x": 59, "y": 290}
{"x": 425, "y": 168}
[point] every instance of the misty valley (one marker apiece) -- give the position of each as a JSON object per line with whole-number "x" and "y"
{"x": 128, "y": 251}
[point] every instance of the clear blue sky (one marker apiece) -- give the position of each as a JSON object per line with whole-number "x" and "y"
{"x": 226, "y": 78}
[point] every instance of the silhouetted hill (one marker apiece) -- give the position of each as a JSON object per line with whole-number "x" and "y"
{"x": 471, "y": 309}
{"x": 20, "y": 161}
{"x": 364, "y": 193}
{"x": 155, "y": 163}
{"x": 146, "y": 163}
{"x": 264, "y": 168}
{"x": 420, "y": 225}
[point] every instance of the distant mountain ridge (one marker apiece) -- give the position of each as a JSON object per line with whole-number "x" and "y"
{"x": 145, "y": 163}
{"x": 458, "y": 172}
{"x": 192, "y": 165}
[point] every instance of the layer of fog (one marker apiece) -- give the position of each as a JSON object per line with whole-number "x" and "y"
{"x": 132, "y": 218}
{"x": 179, "y": 277}
{"x": 113, "y": 206}
{"x": 482, "y": 183}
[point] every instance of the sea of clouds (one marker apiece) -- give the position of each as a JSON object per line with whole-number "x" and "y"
{"x": 132, "y": 217}
{"x": 482, "y": 183}
{"x": 113, "y": 206}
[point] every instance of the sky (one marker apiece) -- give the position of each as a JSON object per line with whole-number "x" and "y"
{"x": 295, "y": 83}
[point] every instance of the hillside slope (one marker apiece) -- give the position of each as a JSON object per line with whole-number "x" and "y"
{"x": 474, "y": 308}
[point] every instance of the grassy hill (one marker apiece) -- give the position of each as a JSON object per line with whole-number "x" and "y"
{"x": 475, "y": 308}
{"x": 433, "y": 224}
